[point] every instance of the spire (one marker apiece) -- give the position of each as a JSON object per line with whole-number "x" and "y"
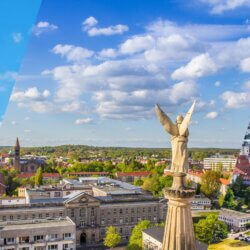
{"x": 17, "y": 143}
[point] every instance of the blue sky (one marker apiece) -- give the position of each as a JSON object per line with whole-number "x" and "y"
{"x": 16, "y": 18}
{"x": 93, "y": 71}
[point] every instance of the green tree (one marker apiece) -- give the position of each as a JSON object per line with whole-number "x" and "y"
{"x": 221, "y": 200}
{"x": 112, "y": 237}
{"x": 39, "y": 177}
{"x": 238, "y": 187}
{"x": 135, "y": 240}
{"x": 138, "y": 182}
{"x": 229, "y": 199}
{"x": 210, "y": 230}
{"x": 210, "y": 183}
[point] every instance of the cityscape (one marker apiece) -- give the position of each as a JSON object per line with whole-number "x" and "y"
{"x": 124, "y": 125}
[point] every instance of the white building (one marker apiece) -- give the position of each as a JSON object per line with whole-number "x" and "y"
{"x": 214, "y": 163}
{"x": 200, "y": 203}
{"x": 234, "y": 219}
{"x": 57, "y": 234}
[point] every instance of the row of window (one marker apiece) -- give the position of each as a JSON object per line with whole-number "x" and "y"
{"x": 126, "y": 220}
{"x": 32, "y": 216}
{"x": 132, "y": 210}
{"x": 36, "y": 238}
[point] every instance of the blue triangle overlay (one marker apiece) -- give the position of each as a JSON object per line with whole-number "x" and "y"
{"x": 16, "y": 20}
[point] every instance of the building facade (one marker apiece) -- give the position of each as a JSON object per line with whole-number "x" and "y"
{"x": 106, "y": 203}
{"x": 220, "y": 163}
{"x": 234, "y": 219}
{"x": 40, "y": 234}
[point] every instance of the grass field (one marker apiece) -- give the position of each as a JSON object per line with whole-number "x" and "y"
{"x": 229, "y": 244}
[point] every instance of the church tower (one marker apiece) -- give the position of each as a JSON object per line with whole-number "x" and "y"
{"x": 17, "y": 155}
{"x": 245, "y": 150}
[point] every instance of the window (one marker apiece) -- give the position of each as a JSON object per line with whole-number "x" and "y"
{"x": 33, "y": 216}
{"x": 38, "y": 238}
{"x": 120, "y": 230}
{"x": 121, "y": 220}
{"x": 92, "y": 211}
{"x": 57, "y": 194}
{"x": 114, "y": 220}
{"x": 114, "y": 211}
{"x": 102, "y": 231}
{"x": 93, "y": 237}
{"x": 121, "y": 211}
{"x": 47, "y": 215}
{"x": 53, "y": 247}
{"x": 53, "y": 236}
{"x": 82, "y": 223}
{"x": 40, "y": 248}
{"x": 102, "y": 221}
{"x": 18, "y": 216}
{"x": 9, "y": 240}
{"x": 67, "y": 235}
{"x": 40, "y": 216}
{"x": 82, "y": 212}
{"x": 11, "y": 217}
{"x": 65, "y": 246}
{"x": 24, "y": 248}
{"x": 61, "y": 213}
{"x": 4, "y": 218}
{"x": 24, "y": 239}
{"x": 72, "y": 213}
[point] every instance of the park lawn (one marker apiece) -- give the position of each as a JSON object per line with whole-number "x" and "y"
{"x": 229, "y": 244}
{"x": 247, "y": 234}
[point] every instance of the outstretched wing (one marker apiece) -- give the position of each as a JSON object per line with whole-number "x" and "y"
{"x": 166, "y": 121}
{"x": 184, "y": 125}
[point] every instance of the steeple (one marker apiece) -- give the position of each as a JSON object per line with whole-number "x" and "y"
{"x": 17, "y": 144}
{"x": 17, "y": 155}
{"x": 245, "y": 150}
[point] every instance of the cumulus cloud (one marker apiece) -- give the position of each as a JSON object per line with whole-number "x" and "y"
{"x": 234, "y": 100}
{"x": 17, "y": 37}
{"x": 199, "y": 66}
{"x": 245, "y": 65}
{"x": 220, "y": 6}
{"x": 89, "y": 22}
{"x": 83, "y": 121}
{"x": 89, "y": 25}
{"x": 137, "y": 44}
{"x": 211, "y": 115}
{"x": 43, "y": 27}
{"x": 72, "y": 53}
{"x": 108, "y": 53}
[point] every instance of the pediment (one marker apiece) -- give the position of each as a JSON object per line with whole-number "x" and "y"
{"x": 81, "y": 198}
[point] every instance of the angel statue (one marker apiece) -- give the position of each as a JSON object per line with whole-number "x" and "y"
{"x": 179, "y": 137}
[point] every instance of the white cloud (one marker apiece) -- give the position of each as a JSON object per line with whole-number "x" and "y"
{"x": 17, "y": 37}
{"x": 137, "y": 44}
{"x": 234, "y": 100}
{"x": 108, "y": 31}
{"x": 245, "y": 65}
{"x": 217, "y": 84}
{"x": 199, "y": 66}
{"x": 220, "y": 6}
{"x": 89, "y": 22}
{"x": 108, "y": 53}
{"x": 72, "y": 53}
{"x": 211, "y": 115}
{"x": 42, "y": 27}
{"x": 246, "y": 85}
{"x": 89, "y": 25}
{"x": 30, "y": 93}
{"x": 83, "y": 121}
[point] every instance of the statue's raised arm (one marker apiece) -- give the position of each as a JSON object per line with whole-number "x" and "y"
{"x": 166, "y": 122}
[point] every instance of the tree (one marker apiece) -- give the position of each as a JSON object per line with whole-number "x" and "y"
{"x": 112, "y": 237}
{"x": 39, "y": 177}
{"x": 238, "y": 187}
{"x": 221, "y": 200}
{"x": 210, "y": 183}
{"x": 138, "y": 182}
{"x": 210, "y": 230}
{"x": 229, "y": 199}
{"x": 135, "y": 240}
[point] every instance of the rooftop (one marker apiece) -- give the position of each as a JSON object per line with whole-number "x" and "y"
{"x": 158, "y": 232}
{"x": 232, "y": 213}
{"x": 37, "y": 223}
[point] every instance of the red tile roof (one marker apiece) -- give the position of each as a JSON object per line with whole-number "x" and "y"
{"x": 224, "y": 181}
{"x": 89, "y": 173}
{"x": 195, "y": 173}
{"x": 168, "y": 173}
{"x": 46, "y": 175}
{"x": 144, "y": 173}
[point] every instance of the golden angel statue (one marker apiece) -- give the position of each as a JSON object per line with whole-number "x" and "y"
{"x": 179, "y": 137}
